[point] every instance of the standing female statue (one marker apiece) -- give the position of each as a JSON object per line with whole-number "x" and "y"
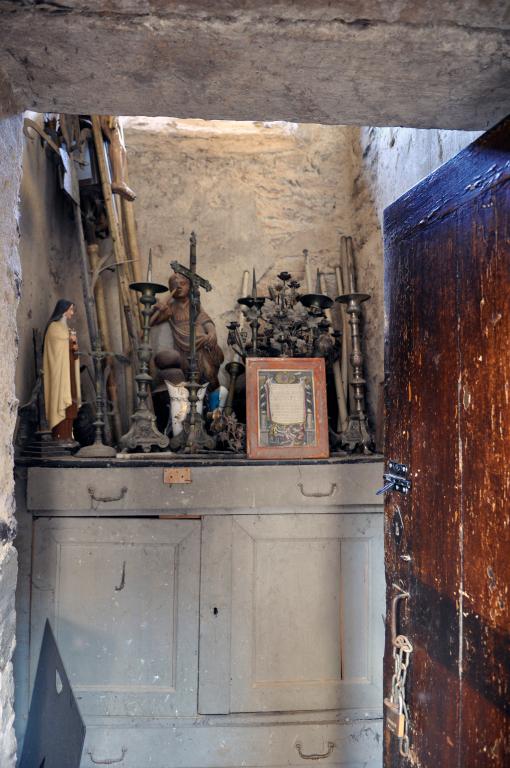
{"x": 61, "y": 371}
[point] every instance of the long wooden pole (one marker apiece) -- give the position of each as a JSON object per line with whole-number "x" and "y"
{"x": 129, "y": 318}
{"x": 102, "y": 316}
{"x": 128, "y": 214}
{"x": 308, "y": 271}
{"x": 88, "y": 293}
{"x": 345, "y": 333}
{"x": 115, "y": 234}
{"x": 343, "y": 417}
{"x": 344, "y": 280}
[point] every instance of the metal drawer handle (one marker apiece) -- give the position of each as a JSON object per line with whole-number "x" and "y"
{"x": 92, "y": 494}
{"x": 108, "y": 762}
{"x": 317, "y": 495}
{"x": 316, "y": 756}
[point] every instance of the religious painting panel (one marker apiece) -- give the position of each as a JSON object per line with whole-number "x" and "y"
{"x": 286, "y": 408}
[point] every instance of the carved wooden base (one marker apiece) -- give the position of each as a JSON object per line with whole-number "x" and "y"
{"x": 356, "y": 435}
{"x": 97, "y": 451}
{"x": 193, "y": 439}
{"x": 143, "y": 433}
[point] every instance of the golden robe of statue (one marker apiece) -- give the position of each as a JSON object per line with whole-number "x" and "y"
{"x": 59, "y": 379}
{"x": 175, "y": 311}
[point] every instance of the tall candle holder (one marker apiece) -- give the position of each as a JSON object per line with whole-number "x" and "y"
{"x": 98, "y": 449}
{"x": 254, "y": 304}
{"x": 234, "y": 369}
{"x": 193, "y": 437}
{"x": 143, "y": 431}
{"x": 357, "y": 433}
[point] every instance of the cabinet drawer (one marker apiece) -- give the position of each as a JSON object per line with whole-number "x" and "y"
{"x": 199, "y": 744}
{"x": 142, "y": 489}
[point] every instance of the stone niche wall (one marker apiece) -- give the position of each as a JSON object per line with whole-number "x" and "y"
{"x": 256, "y": 195}
{"x": 395, "y": 159}
{"x": 387, "y": 163}
{"x": 10, "y": 173}
{"x": 49, "y": 254}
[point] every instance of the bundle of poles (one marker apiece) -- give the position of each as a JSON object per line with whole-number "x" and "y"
{"x": 345, "y": 282}
{"x": 124, "y": 259}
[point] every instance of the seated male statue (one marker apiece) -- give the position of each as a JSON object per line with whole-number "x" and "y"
{"x": 172, "y": 364}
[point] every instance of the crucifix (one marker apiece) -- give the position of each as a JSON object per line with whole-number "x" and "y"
{"x": 193, "y": 437}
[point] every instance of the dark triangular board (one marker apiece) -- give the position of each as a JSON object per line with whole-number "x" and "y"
{"x": 55, "y": 730}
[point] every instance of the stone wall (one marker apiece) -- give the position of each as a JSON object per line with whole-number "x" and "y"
{"x": 10, "y": 173}
{"x": 256, "y": 194}
{"x": 388, "y": 162}
{"x": 395, "y": 159}
{"x": 425, "y": 64}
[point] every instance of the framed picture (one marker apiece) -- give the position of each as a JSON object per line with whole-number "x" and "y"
{"x": 286, "y": 408}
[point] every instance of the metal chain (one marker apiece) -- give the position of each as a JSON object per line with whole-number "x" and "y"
{"x": 402, "y": 649}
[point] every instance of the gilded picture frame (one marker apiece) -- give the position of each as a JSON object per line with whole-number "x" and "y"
{"x": 286, "y": 408}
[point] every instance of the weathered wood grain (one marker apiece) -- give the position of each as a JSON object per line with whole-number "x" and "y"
{"x": 448, "y": 369}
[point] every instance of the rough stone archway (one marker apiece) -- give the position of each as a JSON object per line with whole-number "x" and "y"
{"x": 426, "y": 64}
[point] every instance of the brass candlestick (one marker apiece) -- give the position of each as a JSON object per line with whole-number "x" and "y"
{"x": 144, "y": 432}
{"x": 357, "y": 432}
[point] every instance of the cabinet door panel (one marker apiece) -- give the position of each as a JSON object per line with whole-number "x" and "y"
{"x": 307, "y": 596}
{"x": 123, "y": 600}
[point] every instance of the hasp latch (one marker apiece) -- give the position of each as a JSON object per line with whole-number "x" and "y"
{"x": 396, "y": 479}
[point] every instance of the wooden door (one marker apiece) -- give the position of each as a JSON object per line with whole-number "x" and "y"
{"x": 122, "y": 597}
{"x": 447, "y": 283}
{"x": 298, "y": 603}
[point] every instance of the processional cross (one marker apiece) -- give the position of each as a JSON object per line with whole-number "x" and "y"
{"x": 193, "y": 437}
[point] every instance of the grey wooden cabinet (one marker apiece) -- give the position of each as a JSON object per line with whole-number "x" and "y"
{"x": 299, "y": 624}
{"x": 201, "y": 634}
{"x": 123, "y": 599}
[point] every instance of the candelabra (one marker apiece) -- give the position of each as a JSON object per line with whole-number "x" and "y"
{"x": 98, "y": 449}
{"x": 294, "y": 326}
{"x": 357, "y": 432}
{"x": 143, "y": 431}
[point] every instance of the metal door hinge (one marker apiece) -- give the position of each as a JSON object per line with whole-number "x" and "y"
{"x": 395, "y": 479}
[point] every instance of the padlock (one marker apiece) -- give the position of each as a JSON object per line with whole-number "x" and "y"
{"x": 395, "y": 720}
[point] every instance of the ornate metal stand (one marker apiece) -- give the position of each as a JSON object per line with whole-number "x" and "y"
{"x": 321, "y": 341}
{"x": 98, "y": 449}
{"x": 357, "y": 432}
{"x": 144, "y": 432}
{"x": 193, "y": 437}
{"x": 253, "y": 314}
{"x": 234, "y": 369}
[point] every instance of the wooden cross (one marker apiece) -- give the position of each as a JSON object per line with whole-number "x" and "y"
{"x": 191, "y": 272}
